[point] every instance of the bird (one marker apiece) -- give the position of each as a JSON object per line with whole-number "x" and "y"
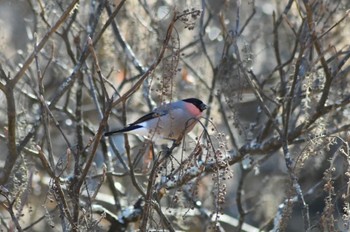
{"x": 170, "y": 121}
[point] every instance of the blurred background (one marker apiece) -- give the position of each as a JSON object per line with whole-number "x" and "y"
{"x": 271, "y": 152}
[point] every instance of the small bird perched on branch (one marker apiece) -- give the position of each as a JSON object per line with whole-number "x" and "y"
{"x": 170, "y": 121}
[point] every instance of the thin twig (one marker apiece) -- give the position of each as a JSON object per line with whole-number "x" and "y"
{"x": 43, "y": 41}
{"x": 11, "y": 125}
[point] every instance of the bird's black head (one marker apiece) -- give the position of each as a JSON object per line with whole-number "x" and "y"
{"x": 198, "y": 103}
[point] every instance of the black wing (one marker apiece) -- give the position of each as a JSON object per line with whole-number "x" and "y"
{"x": 126, "y": 129}
{"x": 148, "y": 117}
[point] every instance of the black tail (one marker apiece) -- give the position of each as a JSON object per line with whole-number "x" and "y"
{"x": 126, "y": 129}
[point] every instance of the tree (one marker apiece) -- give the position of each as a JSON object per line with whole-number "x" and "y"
{"x": 271, "y": 151}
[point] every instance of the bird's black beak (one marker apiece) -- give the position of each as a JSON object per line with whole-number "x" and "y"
{"x": 203, "y": 107}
